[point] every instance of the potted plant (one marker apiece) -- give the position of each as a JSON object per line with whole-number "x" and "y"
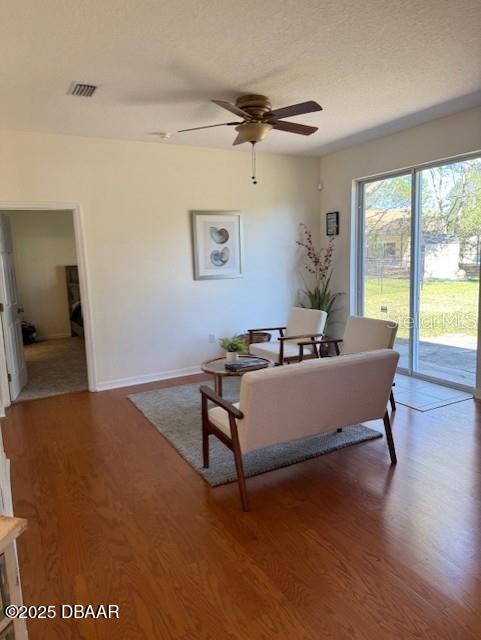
{"x": 318, "y": 264}
{"x": 232, "y": 346}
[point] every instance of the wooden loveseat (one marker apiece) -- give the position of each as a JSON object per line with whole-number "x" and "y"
{"x": 283, "y": 404}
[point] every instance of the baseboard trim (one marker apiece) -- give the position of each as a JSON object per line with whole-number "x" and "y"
{"x": 153, "y": 377}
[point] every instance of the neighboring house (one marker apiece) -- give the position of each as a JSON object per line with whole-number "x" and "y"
{"x": 388, "y": 242}
{"x": 389, "y": 248}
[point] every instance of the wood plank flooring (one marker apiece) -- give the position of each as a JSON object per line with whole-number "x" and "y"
{"x": 339, "y": 547}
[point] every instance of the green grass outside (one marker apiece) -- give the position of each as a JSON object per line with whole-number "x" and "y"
{"x": 446, "y": 306}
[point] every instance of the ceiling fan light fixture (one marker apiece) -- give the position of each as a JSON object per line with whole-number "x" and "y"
{"x": 253, "y": 131}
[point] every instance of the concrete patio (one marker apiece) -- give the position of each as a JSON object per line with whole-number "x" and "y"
{"x": 444, "y": 361}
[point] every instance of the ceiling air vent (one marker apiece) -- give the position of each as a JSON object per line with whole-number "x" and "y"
{"x": 82, "y": 89}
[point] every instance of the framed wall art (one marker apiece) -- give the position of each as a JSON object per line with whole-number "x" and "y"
{"x": 217, "y": 244}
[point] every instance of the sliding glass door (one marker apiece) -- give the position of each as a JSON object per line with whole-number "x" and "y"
{"x": 420, "y": 247}
{"x": 386, "y": 285}
{"x": 450, "y": 231}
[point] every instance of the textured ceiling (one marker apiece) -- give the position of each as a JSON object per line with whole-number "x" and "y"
{"x": 376, "y": 66}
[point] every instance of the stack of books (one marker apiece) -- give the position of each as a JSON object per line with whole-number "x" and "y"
{"x": 246, "y": 364}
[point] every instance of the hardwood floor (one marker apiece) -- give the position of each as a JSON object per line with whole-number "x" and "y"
{"x": 341, "y": 547}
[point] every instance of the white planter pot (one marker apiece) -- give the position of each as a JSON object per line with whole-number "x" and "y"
{"x": 231, "y": 356}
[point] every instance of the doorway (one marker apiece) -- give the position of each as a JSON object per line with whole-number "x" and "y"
{"x": 43, "y": 307}
{"x": 419, "y": 249}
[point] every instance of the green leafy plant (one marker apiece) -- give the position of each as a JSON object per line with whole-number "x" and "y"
{"x": 321, "y": 297}
{"x": 235, "y": 344}
{"x": 317, "y": 264}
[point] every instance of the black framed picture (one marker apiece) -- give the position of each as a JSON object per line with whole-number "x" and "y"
{"x": 332, "y": 223}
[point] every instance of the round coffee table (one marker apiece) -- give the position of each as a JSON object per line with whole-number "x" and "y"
{"x": 217, "y": 368}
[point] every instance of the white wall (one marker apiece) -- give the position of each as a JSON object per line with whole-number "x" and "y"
{"x": 43, "y": 242}
{"x": 442, "y": 138}
{"x": 150, "y": 318}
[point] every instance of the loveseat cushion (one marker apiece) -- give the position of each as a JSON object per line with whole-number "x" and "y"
{"x": 220, "y": 418}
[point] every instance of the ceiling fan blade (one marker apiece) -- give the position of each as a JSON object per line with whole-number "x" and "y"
{"x": 239, "y": 140}
{"x": 296, "y": 109}
{"x": 209, "y": 126}
{"x": 294, "y": 127}
{"x": 232, "y": 108}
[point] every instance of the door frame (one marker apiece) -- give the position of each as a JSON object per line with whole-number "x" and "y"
{"x": 80, "y": 247}
{"x": 357, "y": 277}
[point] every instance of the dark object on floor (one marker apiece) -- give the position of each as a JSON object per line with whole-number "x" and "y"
{"x": 29, "y": 333}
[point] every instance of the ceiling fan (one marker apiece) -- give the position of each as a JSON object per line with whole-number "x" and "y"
{"x": 258, "y": 118}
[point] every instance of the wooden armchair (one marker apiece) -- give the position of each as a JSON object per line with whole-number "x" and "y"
{"x": 360, "y": 335}
{"x": 303, "y": 324}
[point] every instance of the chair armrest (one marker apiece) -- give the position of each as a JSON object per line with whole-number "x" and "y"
{"x": 267, "y": 329}
{"x": 220, "y": 402}
{"x": 309, "y": 343}
{"x": 306, "y": 335}
{"x": 317, "y": 344}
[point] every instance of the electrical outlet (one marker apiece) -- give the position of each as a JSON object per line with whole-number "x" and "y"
{"x": 211, "y": 338}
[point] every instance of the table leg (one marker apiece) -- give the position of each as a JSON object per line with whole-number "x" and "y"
{"x": 218, "y": 385}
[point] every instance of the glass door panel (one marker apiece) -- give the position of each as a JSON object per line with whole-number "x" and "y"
{"x": 449, "y": 264}
{"x": 387, "y": 255}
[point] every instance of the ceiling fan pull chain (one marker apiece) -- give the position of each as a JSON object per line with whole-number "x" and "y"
{"x": 254, "y": 179}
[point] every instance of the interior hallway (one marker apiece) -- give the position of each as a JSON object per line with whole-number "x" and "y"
{"x": 55, "y": 367}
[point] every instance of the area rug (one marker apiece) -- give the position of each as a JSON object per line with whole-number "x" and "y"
{"x": 175, "y": 412}
{"x": 55, "y": 367}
